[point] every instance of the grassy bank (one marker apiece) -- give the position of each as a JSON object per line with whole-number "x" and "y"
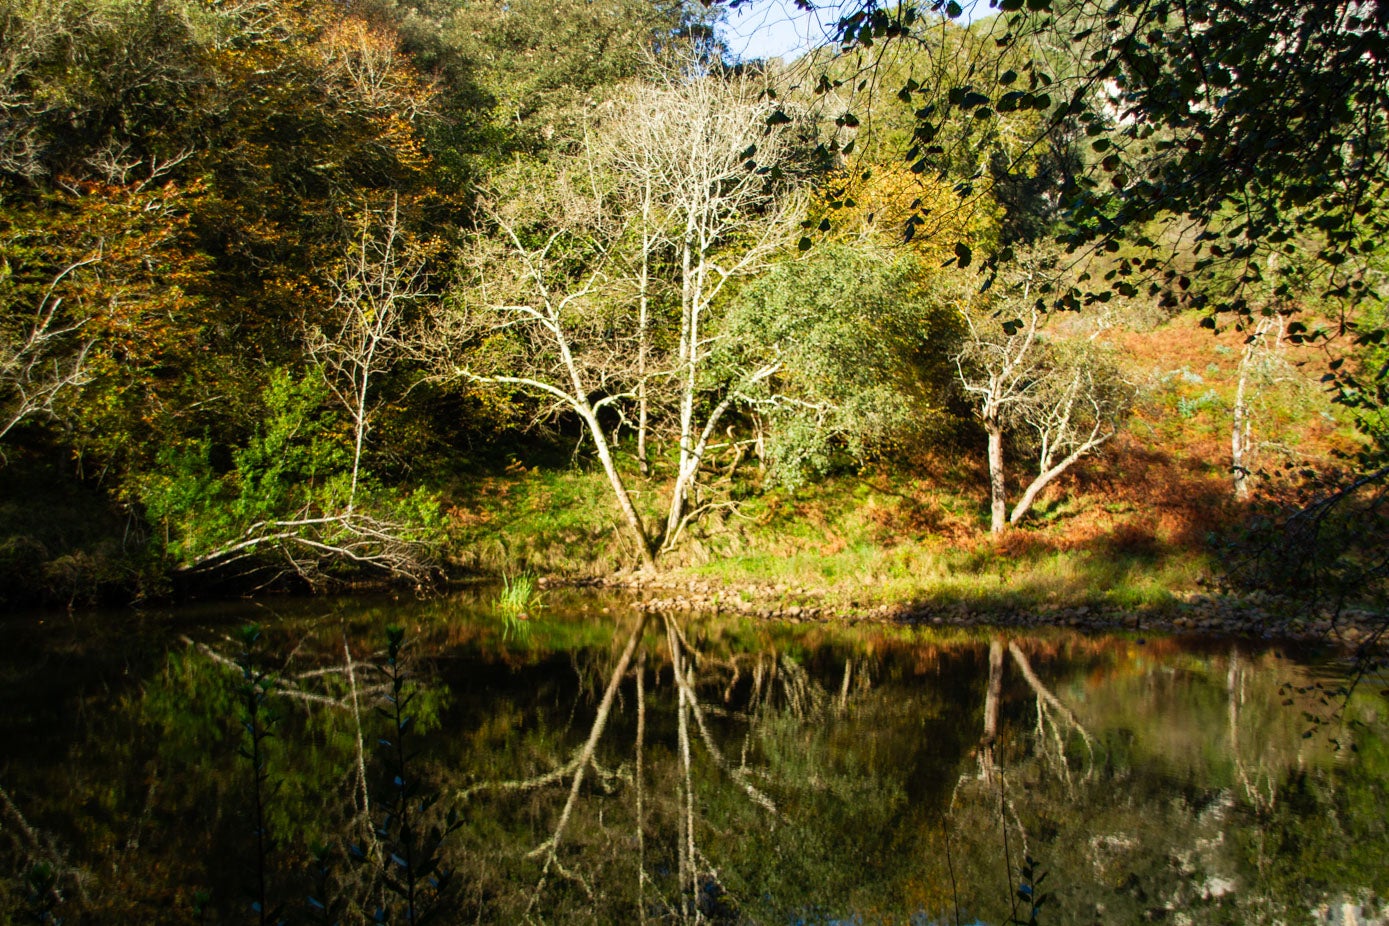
{"x": 876, "y": 537}
{"x": 1131, "y": 528}
{"x": 1134, "y": 527}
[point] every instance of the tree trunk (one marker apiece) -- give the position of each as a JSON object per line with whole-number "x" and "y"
{"x": 643, "y": 418}
{"x": 998, "y": 508}
{"x": 359, "y": 418}
{"x": 995, "y": 691}
{"x": 1239, "y": 437}
{"x": 1241, "y": 428}
{"x": 624, "y": 501}
{"x": 992, "y": 699}
{"x": 690, "y": 460}
{"x": 550, "y": 848}
{"x": 600, "y": 444}
{"x": 1044, "y": 479}
{"x": 643, "y": 326}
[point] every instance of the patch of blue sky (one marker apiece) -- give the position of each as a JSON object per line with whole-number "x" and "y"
{"x": 781, "y": 29}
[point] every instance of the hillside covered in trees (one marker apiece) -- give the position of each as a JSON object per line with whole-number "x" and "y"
{"x": 304, "y": 294}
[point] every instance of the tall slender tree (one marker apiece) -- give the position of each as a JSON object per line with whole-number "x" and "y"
{"x": 543, "y": 309}
{"x": 711, "y": 145}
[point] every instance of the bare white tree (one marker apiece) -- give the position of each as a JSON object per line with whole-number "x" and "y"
{"x": 525, "y": 319}
{"x": 998, "y": 368}
{"x": 692, "y": 728}
{"x": 545, "y": 307}
{"x": 710, "y": 144}
{"x": 636, "y": 164}
{"x": 1079, "y": 405}
{"x": 46, "y": 357}
{"x": 1065, "y": 394}
{"x": 370, "y": 72}
{"x": 372, "y": 290}
{"x": 30, "y": 36}
{"x": 1258, "y": 363}
{"x": 370, "y": 295}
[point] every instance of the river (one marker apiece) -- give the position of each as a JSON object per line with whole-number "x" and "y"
{"x": 592, "y": 764}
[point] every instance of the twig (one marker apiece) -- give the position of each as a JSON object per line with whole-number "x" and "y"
{"x": 558, "y": 773}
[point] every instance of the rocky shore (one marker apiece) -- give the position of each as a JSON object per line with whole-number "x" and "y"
{"x": 1255, "y": 615}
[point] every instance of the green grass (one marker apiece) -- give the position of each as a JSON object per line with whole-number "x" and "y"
{"x": 557, "y": 521}
{"x": 517, "y": 603}
{"x": 979, "y": 579}
{"x": 847, "y": 542}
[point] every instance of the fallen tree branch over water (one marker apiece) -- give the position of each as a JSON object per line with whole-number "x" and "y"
{"x": 308, "y": 547}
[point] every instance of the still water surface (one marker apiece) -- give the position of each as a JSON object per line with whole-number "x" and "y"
{"x": 594, "y": 765}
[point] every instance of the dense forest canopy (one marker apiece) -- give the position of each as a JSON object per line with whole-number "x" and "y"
{"x": 280, "y": 281}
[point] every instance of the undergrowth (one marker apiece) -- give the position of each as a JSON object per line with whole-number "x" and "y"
{"x": 1128, "y": 528}
{"x": 862, "y": 539}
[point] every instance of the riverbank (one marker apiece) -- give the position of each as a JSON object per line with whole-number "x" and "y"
{"x": 886, "y": 547}
{"x": 1255, "y": 615}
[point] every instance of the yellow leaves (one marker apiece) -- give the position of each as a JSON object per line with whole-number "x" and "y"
{"x": 883, "y": 201}
{"x": 338, "y": 83}
{"x": 354, "y": 36}
{"x": 369, "y": 74}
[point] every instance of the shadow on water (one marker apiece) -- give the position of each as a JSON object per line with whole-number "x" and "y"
{"x": 609, "y": 766}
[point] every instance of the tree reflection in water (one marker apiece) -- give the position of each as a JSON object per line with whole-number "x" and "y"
{"x": 663, "y": 770}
